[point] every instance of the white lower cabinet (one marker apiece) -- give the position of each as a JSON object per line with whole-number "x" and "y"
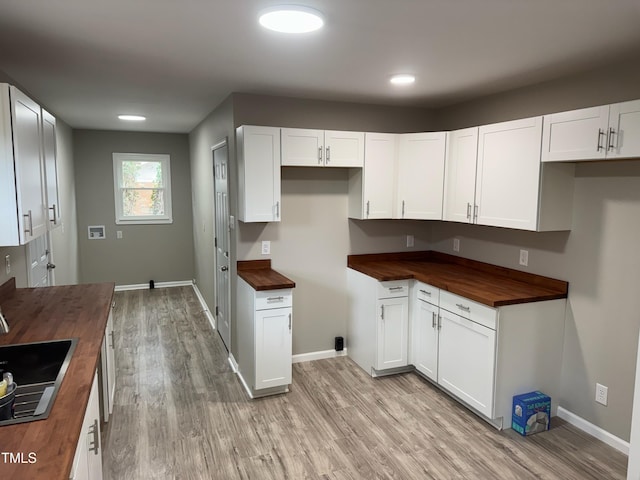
{"x": 264, "y": 339}
{"x": 424, "y": 329}
{"x": 107, "y": 377}
{"x": 377, "y": 334}
{"x": 87, "y": 463}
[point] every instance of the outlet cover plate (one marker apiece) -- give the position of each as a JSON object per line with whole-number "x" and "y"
{"x": 602, "y": 394}
{"x": 456, "y": 244}
{"x": 410, "y": 241}
{"x": 524, "y": 257}
{"x": 266, "y": 247}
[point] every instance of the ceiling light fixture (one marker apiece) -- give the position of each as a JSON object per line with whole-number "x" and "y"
{"x": 403, "y": 79}
{"x": 291, "y": 19}
{"x": 132, "y": 118}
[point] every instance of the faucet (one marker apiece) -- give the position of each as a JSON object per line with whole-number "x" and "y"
{"x": 4, "y": 326}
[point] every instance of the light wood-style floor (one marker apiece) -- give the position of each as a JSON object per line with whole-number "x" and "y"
{"x": 181, "y": 413}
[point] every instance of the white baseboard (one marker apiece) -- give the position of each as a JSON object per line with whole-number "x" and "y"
{"x": 144, "y": 286}
{"x": 233, "y": 363}
{"x": 244, "y": 384}
{"x": 594, "y": 430}
{"x": 205, "y": 307}
{"x": 320, "y": 355}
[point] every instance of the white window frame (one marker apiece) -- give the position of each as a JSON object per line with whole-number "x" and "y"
{"x": 165, "y": 160}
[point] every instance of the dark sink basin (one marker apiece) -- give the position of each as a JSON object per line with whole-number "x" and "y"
{"x": 38, "y": 369}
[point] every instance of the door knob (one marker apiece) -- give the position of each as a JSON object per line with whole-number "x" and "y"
{"x": 50, "y": 266}
{"x": 224, "y": 268}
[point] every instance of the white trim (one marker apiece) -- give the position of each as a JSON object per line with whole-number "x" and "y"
{"x": 320, "y": 355}
{"x": 246, "y": 387}
{"x": 594, "y": 430}
{"x": 143, "y": 286}
{"x": 233, "y": 363}
{"x": 205, "y": 307}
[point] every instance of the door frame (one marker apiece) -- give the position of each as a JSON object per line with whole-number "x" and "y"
{"x": 221, "y": 144}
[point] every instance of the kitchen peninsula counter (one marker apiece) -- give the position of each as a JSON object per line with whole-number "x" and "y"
{"x": 485, "y": 283}
{"x": 53, "y": 313}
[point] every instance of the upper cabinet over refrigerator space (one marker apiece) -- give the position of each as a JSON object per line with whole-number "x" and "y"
{"x": 322, "y": 148}
{"x": 23, "y": 214}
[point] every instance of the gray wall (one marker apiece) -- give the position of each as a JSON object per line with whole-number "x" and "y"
{"x": 311, "y": 243}
{"x": 159, "y": 252}
{"x": 598, "y": 257}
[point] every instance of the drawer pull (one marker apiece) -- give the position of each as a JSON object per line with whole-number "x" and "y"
{"x": 275, "y": 299}
{"x": 428, "y": 294}
{"x": 319, "y": 155}
{"x": 463, "y": 307}
{"x": 395, "y": 289}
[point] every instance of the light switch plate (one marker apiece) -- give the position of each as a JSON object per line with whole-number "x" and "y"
{"x": 410, "y": 241}
{"x": 266, "y": 247}
{"x": 7, "y": 264}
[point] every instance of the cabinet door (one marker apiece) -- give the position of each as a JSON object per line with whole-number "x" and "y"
{"x": 508, "y": 176}
{"x": 344, "y": 149}
{"x": 460, "y": 176}
{"x": 624, "y": 130}
{"x": 379, "y": 165}
{"x": 302, "y": 147}
{"x": 424, "y": 339}
{"x": 273, "y": 348}
{"x": 467, "y": 361}
{"x": 575, "y": 135}
{"x": 420, "y": 175}
{"x": 87, "y": 463}
{"x": 259, "y": 173}
{"x": 109, "y": 366}
{"x": 50, "y": 168}
{"x": 27, "y": 146}
{"x": 393, "y": 321}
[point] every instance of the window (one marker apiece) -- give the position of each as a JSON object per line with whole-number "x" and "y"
{"x": 142, "y": 184}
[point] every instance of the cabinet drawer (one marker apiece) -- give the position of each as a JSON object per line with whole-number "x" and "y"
{"x": 469, "y": 309}
{"x": 427, "y": 293}
{"x": 266, "y": 299}
{"x": 394, "y": 288}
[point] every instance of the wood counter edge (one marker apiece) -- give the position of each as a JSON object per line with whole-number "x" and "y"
{"x": 260, "y": 276}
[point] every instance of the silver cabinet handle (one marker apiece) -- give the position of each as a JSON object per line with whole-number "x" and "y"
{"x": 277, "y": 209}
{"x": 382, "y": 312}
{"x": 29, "y": 217}
{"x": 463, "y": 307}
{"x": 600, "y": 134}
{"x": 610, "y": 144}
{"x": 113, "y": 340}
{"x": 433, "y": 320}
{"x": 55, "y": 214}
{"x": 402, "y": 208}
{"x": 319, "y": 155}
{"x": 328, "y": 154}
{"x": 439, "y": 322}
{"x": 428, "y": 294}
{"x": 475, "y": 214}
{"x": 468, "y": 211}
{"x": 367, "y": 208}
{"x": 275, "y": 299}
{"x": 289, "y": 322}
{"x": 94, "y": 446}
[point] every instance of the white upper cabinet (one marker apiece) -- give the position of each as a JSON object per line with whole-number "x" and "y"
{"x": 420, "y": 175}
{"x": 51, "y": 168}
{"x": 624, "y": 130}
{"x": 597, "y": 133}
{"x": 371, "y": 189}
{"x": 460, "y": 175}
{"x": 508, "y": 174}
{"x": 258, "y": 173}
{"x": 23, "y": 214}
{"x": 320, "y": 148}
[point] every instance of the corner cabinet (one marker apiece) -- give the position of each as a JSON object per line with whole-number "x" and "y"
{"x": 596, "y": 133}
{"x": 377, "y": 336}
{"x": 258, "y": 174}
{"x": 23, "y": 214}
{"x": 87, "y": 462}
{"x": 322, "y": 148}
{"x": 265, "y": 322}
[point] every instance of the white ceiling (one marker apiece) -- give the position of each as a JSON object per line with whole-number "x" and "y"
{"x": 175, "y": 60}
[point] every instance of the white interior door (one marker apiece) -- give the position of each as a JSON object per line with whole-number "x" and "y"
{"x": 40, "y": 267}
{"x": 222, "y": 241}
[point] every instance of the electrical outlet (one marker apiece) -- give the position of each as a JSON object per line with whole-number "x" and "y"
{"x": 456, "y": 244}
{"x": 410, "y": 241}
{"x": 524, "y": 257}
{"x": 119, "y": 234}
{"x": 7, "y": 264}
{"x": 266, "y": 247}
{"x": 602, "y": 393}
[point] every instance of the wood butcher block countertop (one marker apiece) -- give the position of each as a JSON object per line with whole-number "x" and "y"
{"x": 488, "y": 284}
{"x": 260, "y": 276}
{"x": 40, "y": 314}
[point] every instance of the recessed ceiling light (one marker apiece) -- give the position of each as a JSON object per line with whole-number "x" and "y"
{"x": 291, "y": 19}
{"x": 132, "y": 118}
{"x": 403, "y": 79}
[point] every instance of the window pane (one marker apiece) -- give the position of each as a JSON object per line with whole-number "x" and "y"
{"x": 142, "y": 202}
{"x": 141, "y": 174}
